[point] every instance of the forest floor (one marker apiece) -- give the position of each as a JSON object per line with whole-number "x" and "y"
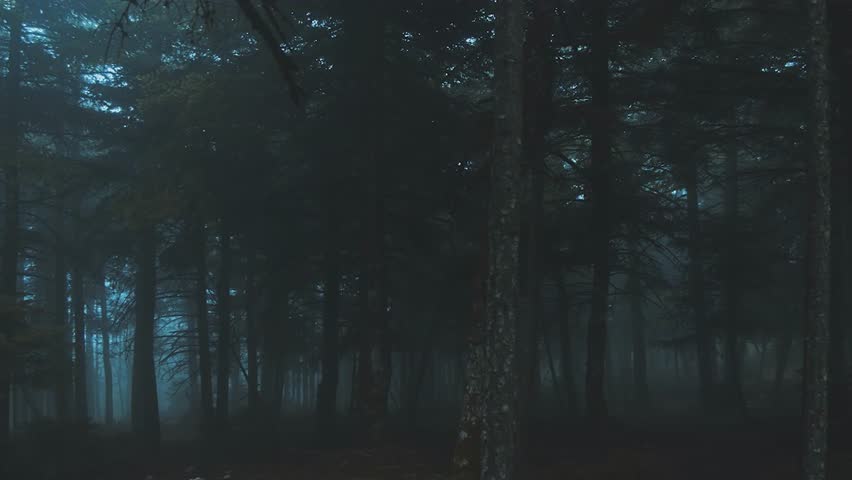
{"x": 677, "y": 452}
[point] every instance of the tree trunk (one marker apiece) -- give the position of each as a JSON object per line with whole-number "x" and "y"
{"x": 566, "y": 350}
{"x": 251, "y": 332}
{"x": 782, "y": 357}
{"x": 634, "y": 289}
{"x": 81, "y": 414}
{"x": 144, "y": 409}
{"x": 223, "y": 314}
{"x": 467, "y": 454}
{"x": 703, "y": 338}
{"x": 327, "y": 392}
{"x": 9, "y": 265}
{"x": 538, "y": 100}
{"x": 817, "y": 331}
{"x": 501, "y": 385}
{"x": 596, "y": 407}
{"x": 272, "y": 371}
{"x": 63, "y": 379}
{"x": 109, "y": 415}
{"x": 192, "y": 369}
{"x": 731, "y": 289}
{"x": 838, "y": 372}
{"x": 201, "y": 323}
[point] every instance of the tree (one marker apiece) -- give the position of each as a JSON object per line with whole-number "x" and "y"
{"x": 817, "y": 333}
{"x": 9, "y": 148}
{"x": 501, "y": 385}
{"x": 145, "y": 416}
{"x": 599, "y": 196}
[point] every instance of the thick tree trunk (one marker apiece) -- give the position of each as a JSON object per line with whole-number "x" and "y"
{"x": 596, "y": 407}
{"x": 81, "y": 414}
{"x": 251, "y": 332}
{"x": 144, "y": 408}
{"x": 501, "y": 386}
{"x": 817, "y": 331}
{"x": 703, "y": 337}
{"x": 202, "y": 324}
{"x": 223, "y": 319}
{"x": 731, "y": 289}
{"x": 109, "y": 415}
{"x": 9, "y": 265}
{"x": 327, "y": 392}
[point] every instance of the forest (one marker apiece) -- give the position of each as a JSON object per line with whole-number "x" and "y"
{"x": 425, "y": 239}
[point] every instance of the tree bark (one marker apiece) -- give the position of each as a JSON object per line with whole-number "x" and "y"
{"x": 596, "y": 406}
{"x": 144, "y": 408}
{"x": 223, "y": 314}
{"x": 817, "y": 329}
{"x": 499, "y": 447}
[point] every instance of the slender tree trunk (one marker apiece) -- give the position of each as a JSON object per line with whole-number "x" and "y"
{"x": 144, "y": 408}
{"x": 251, "y": 331}
{"x": 9, "y": 273}
{"x": 81, "y": 413}
{"x": 63, "y": 385}
{"x": 703, "y": 337}
{"x": 838, "y": 371}
{"x": 272, "y": 371}
{"x": 223, "y": 314}
{"x": 634, "y": 289}
{"x": 782, "y": 357}
{"x": 109, "y": 415}
{"x": 192, "y": 368}
{"x": 538, "y": 100}
{"x": 731, "y": 289}
{"x": 467, "y": 454}
{"x": 501, "y": 385}
{"x": 422, "y": 368}
{"x": 596, "y": 407}
{"x": 202, "y": 324}
{"x": 327, "y": 392}
{"x": 92, "y": 375}
{"x": 817, "y": 331}
{"x": 565, "y": 348}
